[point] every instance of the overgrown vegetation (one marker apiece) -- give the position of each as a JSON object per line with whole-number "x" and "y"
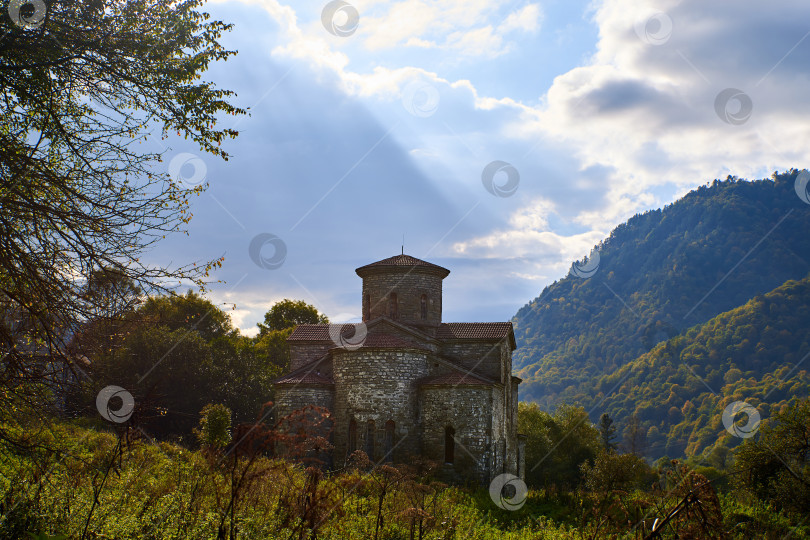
{"x": 88, "y": 482}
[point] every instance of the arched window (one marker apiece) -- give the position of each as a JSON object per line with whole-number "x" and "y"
{"x": 449, "y": 445}
{"x": 389, "y": 440}
{"x": 367, "y": 308}
{"x": 352, "y": 436}
{"x": 370, "y": 432}
{"x": 392, "y": 305}
{"x": 423, "y": 307}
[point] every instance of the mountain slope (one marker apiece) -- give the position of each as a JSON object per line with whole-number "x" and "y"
{"x": 758, "y": 353}
{"x": 662, "y": 272}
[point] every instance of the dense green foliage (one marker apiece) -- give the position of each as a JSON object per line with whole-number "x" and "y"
{"x": 89, "y": 89}
{"x": 597, "y": 341}
{"x": 214, "y": 430}
{"x": 176, "y": 354}
{"x": 279, "y": 322}
{"x": 160, "y": 491}
{"x": 289, "y": 314}
{"x": 678, "y": 391}
{"x": 775, "y": 466}
{"x": 607, "y": 431}
{"x": 557, "y": 445}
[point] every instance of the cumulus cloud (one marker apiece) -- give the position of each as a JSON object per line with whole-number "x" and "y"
{"x": 529, "y": 239}
{"x": 645, "y": 117}
{"x": 470, "y": 28}
{"x": 527, "y": 19}
{"x": 649, "y": 104}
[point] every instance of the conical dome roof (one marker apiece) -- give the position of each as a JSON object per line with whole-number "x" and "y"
{"x": 402, "y": 262}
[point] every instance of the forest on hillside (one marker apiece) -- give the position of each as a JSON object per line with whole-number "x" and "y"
{"x": 661, "y": 264}
{"x": 676, "y": 393}
{"x": 692, "y": 307}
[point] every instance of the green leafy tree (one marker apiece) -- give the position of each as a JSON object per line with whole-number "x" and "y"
{"x": 170, "y": 374}
{"x": 557, "y": 445}
{"x": 191, "y": 312}
{"x": 536, "y": 425}
{"x": 272, "y": 346}
{"x": 214, "y": 429}
{"x": 775, "y": 465}
{"x": 279, "y": 322}
{"x": 611, "y": 472}
{"x": 611, "y": 481}
{"x": 181, "y": 353}
{"x": 607, "y": 431}
{"x": 114, "y": 299}
{"x": 576, "y": 441}
{"x": 635, "y": 437}
{"x": 288, "y": 314}
{"x": 83, "y": 85}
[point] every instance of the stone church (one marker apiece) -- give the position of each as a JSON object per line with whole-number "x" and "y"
{"x": 404, "y": 383}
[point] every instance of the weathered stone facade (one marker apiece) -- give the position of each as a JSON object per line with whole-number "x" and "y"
{"x": 403, "y": 383}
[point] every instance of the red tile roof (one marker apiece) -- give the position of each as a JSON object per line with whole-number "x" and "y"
{"x": 304, "y": 378}
{"x": 388, "y": 341}
{"x": 403, "y": 261}
{"x": 454, "y": 379}
{"x": 310, "y": 332}
{"x": 320, "y": 332}
{"x": 485, "y": 330}
{"x": 475, "y": 330}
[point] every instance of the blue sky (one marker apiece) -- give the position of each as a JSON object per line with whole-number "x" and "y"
{"x": 602, "y": 110}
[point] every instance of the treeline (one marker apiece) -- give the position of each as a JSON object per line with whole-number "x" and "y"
{"x": 591, "y": 466}
{"x": 177, "y": 354}
{"x": 676, "y": 393}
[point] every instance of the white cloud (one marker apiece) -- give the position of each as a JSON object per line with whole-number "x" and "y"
{"x": 403, "y": 23}
{"x": 471, "y": 28}
{"x": 644, "y": 107}
{"x": 631, "y": 128}
{"x": 477, "y": 42}
{"x": 534, "y": 216}
{"x": 529, "y": 238}
{"x": 527, "y": 19}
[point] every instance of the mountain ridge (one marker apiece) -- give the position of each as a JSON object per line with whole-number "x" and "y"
{"x": 660, "y": 274}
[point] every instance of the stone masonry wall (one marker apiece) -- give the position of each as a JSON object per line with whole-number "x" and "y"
{"x": 303, "y": 352}
{"x": 293, "y": 397}
{"x": 511, "y": 410}
{"x": 468, "y": 410}
{"x": 378, "y": 385}
{"x": 483, "y": 356}
{"x": 409, "y": 288}
{"x": 290, "y": 398}
{"x": 499, "y": 432}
